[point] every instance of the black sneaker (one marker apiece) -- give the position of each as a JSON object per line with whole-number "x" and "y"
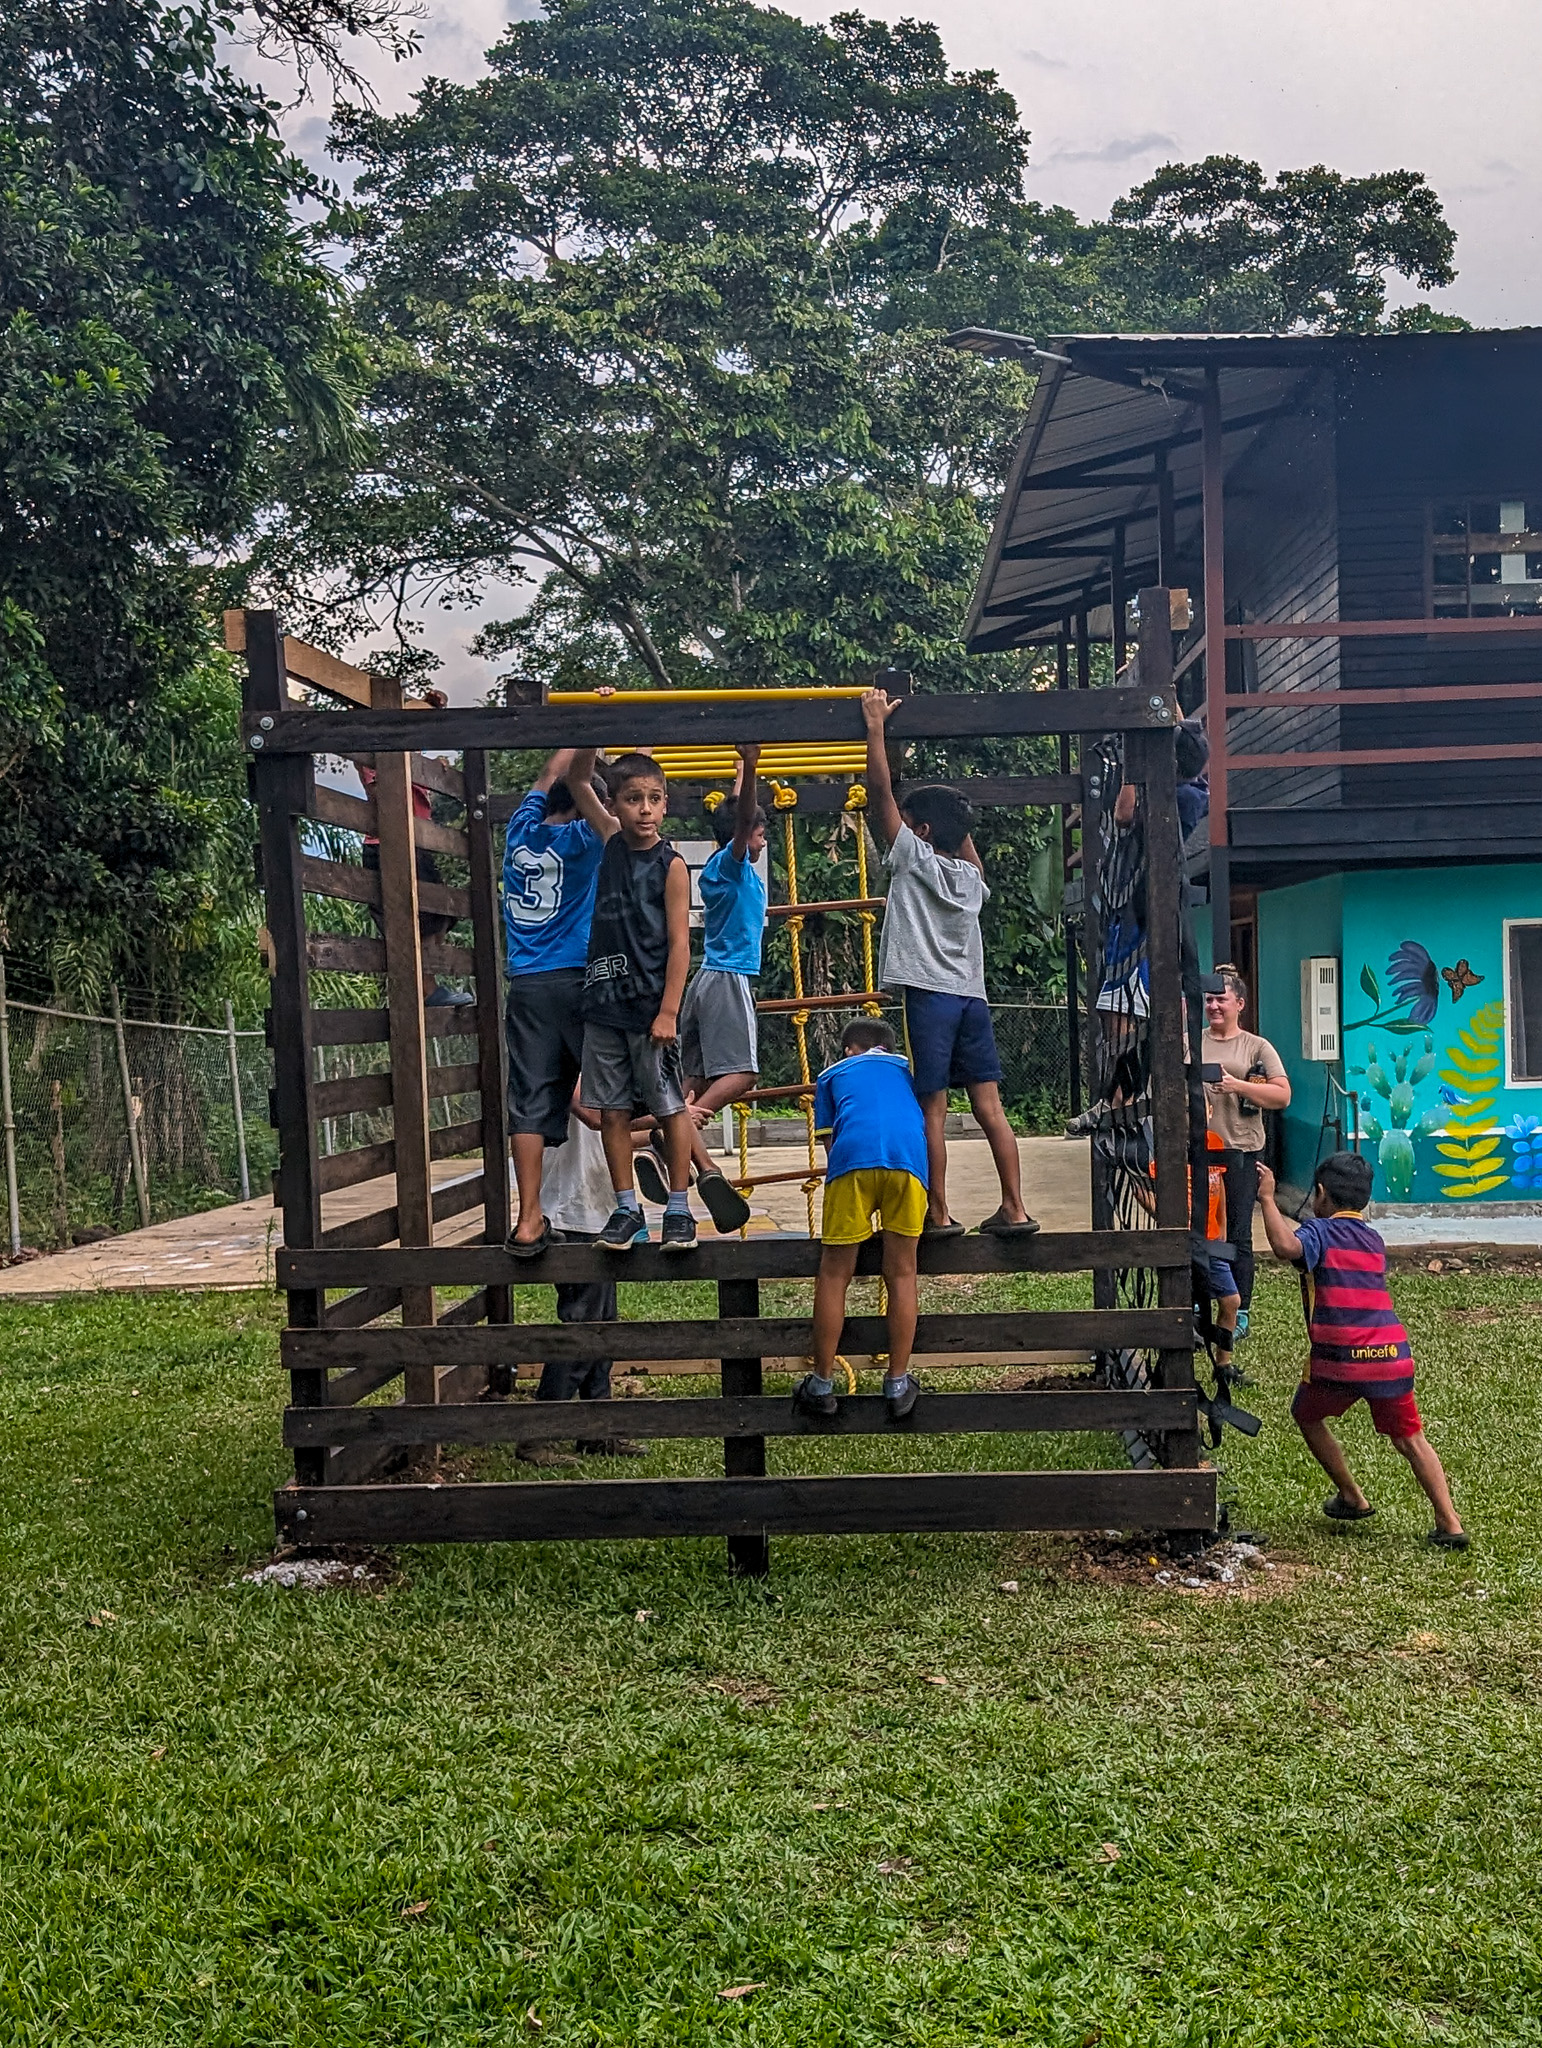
{"x": 811, "y": 1403}
{"x": 725, "y": 1205}
{"x": 625, "y": 1228}
{"x": 679, "y": 1233}
{"x": 907, "y": 1392}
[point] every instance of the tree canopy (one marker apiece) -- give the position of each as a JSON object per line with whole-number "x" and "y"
{"x": 165, "y": 330}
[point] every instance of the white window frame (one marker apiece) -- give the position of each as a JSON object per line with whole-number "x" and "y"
{"x": 1512, "y": 1079}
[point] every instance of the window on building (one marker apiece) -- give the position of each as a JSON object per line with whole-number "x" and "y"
{"x": 1523, "y": 1000}
{"x": 1484, "y": 557}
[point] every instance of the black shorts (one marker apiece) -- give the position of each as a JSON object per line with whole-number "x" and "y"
{"x": 543, "y": 1029}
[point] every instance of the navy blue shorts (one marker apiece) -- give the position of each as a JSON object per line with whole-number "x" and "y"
{"x": 1223, "y": 1280}
{"x": 950, "y": 1040}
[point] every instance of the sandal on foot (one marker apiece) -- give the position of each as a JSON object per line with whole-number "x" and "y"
{"x": 1337, "y": 1509}
{"x": 651, "y": 1184}
{"x": 532, "y": 1248}
{"x": 724, "y": 1203}
{"x": 1001, "y": 1225}
{"x": 948, "y": 1229}
{"x": 1448, "y": 1539}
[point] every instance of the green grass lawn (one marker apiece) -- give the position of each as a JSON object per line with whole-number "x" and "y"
{"x": 221, "y": 1801}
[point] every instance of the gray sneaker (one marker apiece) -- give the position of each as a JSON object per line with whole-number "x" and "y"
{"x": 679, "y": 1233}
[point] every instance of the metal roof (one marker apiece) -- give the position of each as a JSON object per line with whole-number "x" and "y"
{"x": 1104, "y": 407}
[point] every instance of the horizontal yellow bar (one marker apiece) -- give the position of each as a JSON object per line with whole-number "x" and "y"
{"x": 624, "y": 697}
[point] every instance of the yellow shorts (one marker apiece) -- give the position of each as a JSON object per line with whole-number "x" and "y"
{"x": 881, "y": 1197}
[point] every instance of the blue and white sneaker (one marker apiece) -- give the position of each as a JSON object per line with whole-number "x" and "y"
{"x": 625, "y": 1228}
{"x": 1242, "y": 1326}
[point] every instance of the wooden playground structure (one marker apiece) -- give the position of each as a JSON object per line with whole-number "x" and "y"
{"x": 457, "y": 1364}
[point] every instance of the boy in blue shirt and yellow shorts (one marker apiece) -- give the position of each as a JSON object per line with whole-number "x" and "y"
{"x": 866, "y": 1111}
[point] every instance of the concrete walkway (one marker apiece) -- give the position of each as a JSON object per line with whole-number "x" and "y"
{"x": 233, "y": 1247}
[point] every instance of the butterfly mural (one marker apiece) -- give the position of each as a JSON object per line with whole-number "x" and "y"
{"x": 1459, "y": 979}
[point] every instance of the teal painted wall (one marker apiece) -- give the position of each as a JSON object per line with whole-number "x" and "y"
{"x": 1424, "y": 1043}
{"x": 1294, "y": 925}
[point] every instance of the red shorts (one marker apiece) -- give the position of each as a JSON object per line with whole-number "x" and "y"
{"x": 1393, "y": 1415}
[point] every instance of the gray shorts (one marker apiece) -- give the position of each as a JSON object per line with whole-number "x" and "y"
{"x": 544, "y": 1032}
{"x": 631, "y": 1071}
{"x": 717, "y": 1026}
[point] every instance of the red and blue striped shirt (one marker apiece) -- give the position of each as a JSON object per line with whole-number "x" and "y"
{"x": 1356, "y": 1335}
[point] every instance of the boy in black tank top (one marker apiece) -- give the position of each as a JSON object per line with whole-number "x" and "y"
{"x": 639, "y": 952}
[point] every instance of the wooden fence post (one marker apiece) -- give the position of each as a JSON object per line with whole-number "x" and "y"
{"x": 487, "y": 942}
{"x": 409, "y": 1038}
{"x": 749, "y": 1557}
{"x": 130, "y": 1111}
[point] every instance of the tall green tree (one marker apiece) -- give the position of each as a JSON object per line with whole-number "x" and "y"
{"x": 167, "y": 334}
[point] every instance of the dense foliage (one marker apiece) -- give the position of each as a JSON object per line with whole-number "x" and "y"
{"x": 164, "y": 328}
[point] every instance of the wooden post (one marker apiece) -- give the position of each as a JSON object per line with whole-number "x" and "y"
{"x": 1072, "y": 1016}
{"x": 1083, "y": 652}
{"x": 1150, "y": 758}
{"x": 131, "y": 1114}
{"x": 7, "y": 1112}
{"x": 282, "y": 788}
{"x": 749, "y": 1557}
{"x": 1215, "y": 667}
{"x": 409, "y": 1040}
{"x": 1167, "y": 536}
{"x": 235, "y": 1101}
{"x": 487, "y": 944}
{"x": 1116, "y": 600}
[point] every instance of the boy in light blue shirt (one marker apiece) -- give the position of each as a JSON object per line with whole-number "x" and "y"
{"x": 719, "y": 1043}
{"x": 865, "y": 1109}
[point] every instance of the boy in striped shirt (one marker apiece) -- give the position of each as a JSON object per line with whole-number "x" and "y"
{"x": 1360, "y": 1350}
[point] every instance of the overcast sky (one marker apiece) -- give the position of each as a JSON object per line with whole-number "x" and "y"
{"x": 1108, "y": 93}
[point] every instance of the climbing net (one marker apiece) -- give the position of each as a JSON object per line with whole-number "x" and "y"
{"x": 1123, "y": 1151}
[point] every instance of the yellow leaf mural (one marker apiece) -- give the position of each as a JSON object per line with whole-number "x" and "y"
{"x": 1473, "y": 1062}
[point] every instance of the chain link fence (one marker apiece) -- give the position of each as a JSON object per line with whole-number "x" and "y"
{"x": 110, "y": 1124}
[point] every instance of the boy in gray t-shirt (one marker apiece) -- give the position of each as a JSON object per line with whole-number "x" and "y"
{"x": 932, "y": 955}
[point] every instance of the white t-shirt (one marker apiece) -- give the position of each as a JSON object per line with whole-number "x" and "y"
{"x": 576, "y": 1193}
{"x": 931, "y": 928}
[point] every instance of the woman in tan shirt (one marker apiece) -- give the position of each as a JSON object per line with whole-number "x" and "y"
{"x": 1253, "y": 1079}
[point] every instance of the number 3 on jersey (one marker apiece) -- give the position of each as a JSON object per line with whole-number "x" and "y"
{"x": 538, "y": 896}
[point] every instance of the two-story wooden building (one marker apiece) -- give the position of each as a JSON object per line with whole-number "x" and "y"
{"x": 1359, "y": 524}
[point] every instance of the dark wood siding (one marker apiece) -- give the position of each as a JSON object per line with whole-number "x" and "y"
{"x": 1282, "y": 562}
{"x": 1410, "y": 434}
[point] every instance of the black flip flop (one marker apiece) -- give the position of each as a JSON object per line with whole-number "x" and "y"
{"x": 1448, "y": 1539}
{"x": 1337, "y": 1509}
{"x": 650, "y": 1181}
{"x": 533, "y": 1250}
{"x": 999, "y": 1226}
{"x": 948, "y": 1229}
{"x": 724, "y": 1203}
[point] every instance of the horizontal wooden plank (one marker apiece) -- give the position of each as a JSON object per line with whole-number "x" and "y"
{"x": 344, "y": 881}
{"x": 849, "y": 906}
{"x": 1390, "y": 757}
{"x": 372, "y": 1027}
{"x": 327, "y": 952}
{"x": 353, "y": 1092}
{"x": 693, "y": 718}
{"x": 768, "y": 1257}
{"x": 460, "y": 1314}
{"x": 340, "y": 807}
{"x": 848, "y": 1504}
{"x": 449, "y": 1142}
{"x": 452, "y": 1198}
{"x": 347, "y": 1169}
{"x": 353, "y": 1311}
{"x": 355, "y": 1385}
{"x": 1331, "y": 698}
{"x": 323, "y": 671}
{"x": 429, "y": 769}
{"x": 860, "y": 1415}
{"x": 955, "y": 1334}
{"x": 776, "y": 1006}
{"x": 465, "y": 1079}
{"x": 1335, "y": 629}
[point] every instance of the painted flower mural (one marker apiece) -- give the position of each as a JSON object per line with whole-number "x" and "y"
{"x": 1395, "y": 1151}
{"x": 1525, "y": 1135}
{"x": 1415, "y": 980}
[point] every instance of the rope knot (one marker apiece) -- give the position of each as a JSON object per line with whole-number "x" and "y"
{"x": 856, "y": 798}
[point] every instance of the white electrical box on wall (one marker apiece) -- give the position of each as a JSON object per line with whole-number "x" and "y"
{"x": 1320, "y": 1009}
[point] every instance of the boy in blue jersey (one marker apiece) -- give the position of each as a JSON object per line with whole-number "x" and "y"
{"x": 551, "y": 864}
{"x": 719, "y": 1045}
{"x": 866, "y": 1111}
